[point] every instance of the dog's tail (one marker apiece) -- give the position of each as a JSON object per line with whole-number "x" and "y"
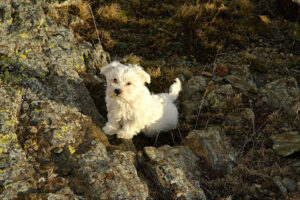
{"x": 175, "y": 89}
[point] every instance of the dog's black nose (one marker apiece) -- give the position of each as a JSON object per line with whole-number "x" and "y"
{"x": 117, "y": 91}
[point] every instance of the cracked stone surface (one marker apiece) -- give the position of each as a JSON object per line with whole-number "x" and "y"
{"x": 212, "y": 145}
{"x": 175, "y": 169}
{"x": 282, "y": 94}
{"x": 47, "y": 110}
{"x": 112, "y": 175}
{"x": 16, "y": 171}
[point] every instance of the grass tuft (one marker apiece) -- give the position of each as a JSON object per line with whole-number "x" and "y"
{"x": 112, "y": 13}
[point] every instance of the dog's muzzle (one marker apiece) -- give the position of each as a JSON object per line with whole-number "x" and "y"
{"x": 117, "y": 92}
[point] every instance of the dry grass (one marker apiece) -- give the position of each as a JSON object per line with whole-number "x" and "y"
{"x": 244, "y": 7}
{"x": 76, "y": 14}
{"x": 200, "y": 28}
{"x": 187, "y": 11}
{"x": 77, "y": 8}
{"x": 84, "y": 10}
{"x": 132, "y": 59}
{"x": 195, "y": 25}
{"x": 112, "y": 13}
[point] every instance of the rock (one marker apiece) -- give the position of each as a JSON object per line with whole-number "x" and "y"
{"x": 63, "y": 194}
{"x": 296, "y": 108}
{"x": 287, "y": 143}
{"x": 281, "y": 94}
{"x": 194, "y": 87}
{"x": 248, "y": 114}
{"x": 213, "y": 146}
{"x": 111, "y": 175}
{"x": 216, "y": 97}
{"x": 192, "y": 95}
{"x": 233, "y": 119}
{"x": 296, "y": 167}
{"x": 257, "y": 190}
{"x": 175, "y": 170}
{"x": 16, "y": 172}
{"x": 51, "y": 113}
{"x": 278, "y": 182}
{"x": 241, "y": 84}
{"x": 239, "y": 70}
{"x": 297, "y": 2}
{"x": 94, "y": 58}
{"x": 239, "y": 118}
{"x": 290, "y": 184}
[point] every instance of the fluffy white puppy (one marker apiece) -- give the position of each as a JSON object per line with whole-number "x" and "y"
{"x": 132, "y": 108}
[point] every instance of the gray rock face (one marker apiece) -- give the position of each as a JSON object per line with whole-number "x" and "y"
{"x": 290, "y": 184}
{"x": 47, "y": 110}
{"x": 282, "y": 94}
{"x": 194, "y": 87}
{"x": 239, "y": 118}
{"x": 16, "y": 174}
{"x": 241, "y": 84}
{"x": 213, "y": 146}
{"x": 111, "y": 175}
{"x": 216, "y": 97}
{"x": 296, "y": 167}
{"x": 287, "y": 143}
{"x": 175, "y": 170}
{"x": 278, "y": 182}
{"x": 192, "y": 95}
{"x": 285, "y": 184}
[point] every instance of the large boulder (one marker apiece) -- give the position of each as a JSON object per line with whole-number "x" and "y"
{"x": 282, "y": 94}
{"x": 47, "y": 110}
{"x": 175, "y": 171}
{"x": 16, "y": 171}
{"x": 213, "y": 146}
{"x": 111, "y": 175}
{"x": 287, "y": 143}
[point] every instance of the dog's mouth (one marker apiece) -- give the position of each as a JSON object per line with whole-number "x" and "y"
{"x": 117, "y": 97}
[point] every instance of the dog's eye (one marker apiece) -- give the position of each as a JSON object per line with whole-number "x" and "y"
{"x": 115, "y": 80}
{"x": 128, "y": 83}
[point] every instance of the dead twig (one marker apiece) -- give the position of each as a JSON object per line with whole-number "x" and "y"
{"x": 94, "y": 23}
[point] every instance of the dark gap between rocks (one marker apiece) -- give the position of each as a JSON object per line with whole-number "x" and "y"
{"x": 68, "y": 169}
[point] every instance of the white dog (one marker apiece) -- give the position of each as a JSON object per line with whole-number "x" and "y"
{"x": 131, "y": 108}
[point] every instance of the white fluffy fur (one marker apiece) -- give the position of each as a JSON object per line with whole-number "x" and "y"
{"x": 135, "y": 109}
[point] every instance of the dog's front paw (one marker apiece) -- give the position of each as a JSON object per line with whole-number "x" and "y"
{"x": 124, "y": 135}
{"x": 109, "y": 129}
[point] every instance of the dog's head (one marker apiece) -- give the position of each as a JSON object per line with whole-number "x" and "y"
{"x": 125, "y": 82}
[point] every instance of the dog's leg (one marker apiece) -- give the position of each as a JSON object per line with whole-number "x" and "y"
{"x": 112, "y": 125}
{"x": 110, "y": 128}
{"x": 156, "y": 137}
{"x": 129, "y": 130}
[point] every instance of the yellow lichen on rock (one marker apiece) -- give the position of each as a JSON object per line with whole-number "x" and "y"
{"x": 72, "y": 151}
{"x": 5, "y": 139}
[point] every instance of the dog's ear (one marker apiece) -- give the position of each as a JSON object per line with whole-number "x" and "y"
{"x": 109, "y": 67}
{"x": 141, "y": 72}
